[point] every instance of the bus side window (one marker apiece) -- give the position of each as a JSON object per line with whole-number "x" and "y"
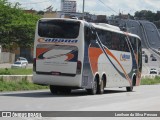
{"x": 87, "y": 34}
{"x": 123, "y": 46}
{"x": 139, "y": 55}
{"x": 90, "y": 35}
{"x": 93, "y": 36}
{"x": 115, "y": 41}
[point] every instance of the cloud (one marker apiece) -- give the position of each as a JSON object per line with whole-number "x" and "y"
{"x": 37, "y": 5}
{"x": 96, "y": 6}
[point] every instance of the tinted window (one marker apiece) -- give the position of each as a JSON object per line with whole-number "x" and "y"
{"x": 139, "y": 55}
{"x": 87, "y": 33}
{"x": 113, "y": 41}
{"x": 58, "y": 29}
{"x": 17, "y": 63}
{"x": 116, "y": 41}
{"x": 134, "y": 44}
{"x": 105, "y": 37}
{"x": 123, "y": 43}
{"x": 22, "y": 59}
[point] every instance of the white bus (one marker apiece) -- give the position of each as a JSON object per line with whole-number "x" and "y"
{"x": 72, "y": 54}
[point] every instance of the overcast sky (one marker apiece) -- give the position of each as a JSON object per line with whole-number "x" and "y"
{"x": 106, "y": 7}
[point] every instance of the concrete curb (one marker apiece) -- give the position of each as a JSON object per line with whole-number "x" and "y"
{"x": 16, "y": 77}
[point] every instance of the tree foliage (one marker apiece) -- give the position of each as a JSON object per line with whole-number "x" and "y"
{"x": 16, "y": 26}
{"x": 147, "y": 15}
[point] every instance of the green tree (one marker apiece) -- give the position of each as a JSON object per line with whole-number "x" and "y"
{"x": 16, "y": 26}
{"x": 145, "y": 15}
{"x": 40, "y": 12}
{"x": 157, "y": 16}
{"x": 5, "y": 18}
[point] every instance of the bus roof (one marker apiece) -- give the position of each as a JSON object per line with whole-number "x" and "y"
{"x": 103, "y": 26}
{"x": 112, "y": 28}
{"x": 67, "y": 19}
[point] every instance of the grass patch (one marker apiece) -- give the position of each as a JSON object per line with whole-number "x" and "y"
{"x": 20, "y": 71}
{"x": 25, "y": 85}
{"x": 149, "y": 81}
{"x": 19, "y": 86}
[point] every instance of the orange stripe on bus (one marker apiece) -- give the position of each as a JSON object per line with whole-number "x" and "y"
{"x": 70, "y": 56}
{"x": 125, "y": 73}
{"x": 94, "y": 54}
{"x": 40, "y": 51}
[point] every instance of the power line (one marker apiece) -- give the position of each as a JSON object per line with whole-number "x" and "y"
{"x": 108, "y": 7}
{"x": 34, "y": 2}
{"x": 31, "y": 3}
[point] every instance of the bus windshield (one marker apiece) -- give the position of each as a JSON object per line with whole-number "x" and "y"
{"x": 58, "y": 29}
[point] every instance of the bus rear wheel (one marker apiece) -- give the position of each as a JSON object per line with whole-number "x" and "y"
{"x": 129, "y": 89}
{"x": 64, "y": 90}
{"x": 59, "y": 90}
{"x": 53, "y": 89}
{"x": 100, "y": 88}
{"x": 93, "y": 90}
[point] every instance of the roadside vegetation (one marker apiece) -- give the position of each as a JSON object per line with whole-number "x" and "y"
{"x": 19, "y": 86}
{"x": 17, "y": 26}
{"x": 149, "y": 81}
{"x": 26, "y": 85}
{"x": 9, "y": 71}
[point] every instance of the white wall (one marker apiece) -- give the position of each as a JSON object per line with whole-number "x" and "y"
{"x": 7, "y": 57}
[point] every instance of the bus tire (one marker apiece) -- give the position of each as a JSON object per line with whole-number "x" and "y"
{"x": 129, "y": 89}
{"x": 93, "y": 90}
{"x": 100, "y": 88}
{"x": 53, "y": 89}
{"x": 64, "y": 90}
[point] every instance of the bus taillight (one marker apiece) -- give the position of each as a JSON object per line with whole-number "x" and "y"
{"x": 34, "y": 64}
{"x": 79, "y": 67}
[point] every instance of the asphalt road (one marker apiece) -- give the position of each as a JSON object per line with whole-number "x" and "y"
{"x": 150, "y": 64}
{"x": 116, "y": 99}
{"x": 135, "y": 28}
{"x": 152, "y": 33}
{"x": 150, "y": 39}
{"x": 143, "y": 98}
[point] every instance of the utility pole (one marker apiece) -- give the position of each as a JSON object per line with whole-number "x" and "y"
{"x": 83, "y": 9}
